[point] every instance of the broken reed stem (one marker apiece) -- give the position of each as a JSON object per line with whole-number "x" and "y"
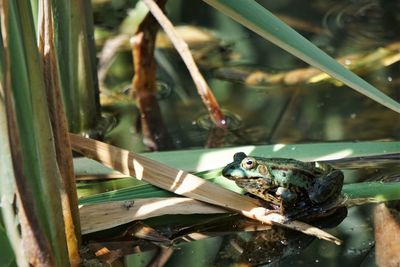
{"x": 182, "y": 48}
{"x": 155, "y": 135}
{"x": 186, "y": 184}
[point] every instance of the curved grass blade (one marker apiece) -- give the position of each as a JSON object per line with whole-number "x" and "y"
{"x": 258, "y": 19}
{"x": 133, "y": 192}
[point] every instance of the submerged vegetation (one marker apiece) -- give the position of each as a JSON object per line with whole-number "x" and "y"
{"x": 187, "y": 98}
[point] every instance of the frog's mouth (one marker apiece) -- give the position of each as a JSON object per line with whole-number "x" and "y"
{"x": 231, "y": 171}
{"x": 232, "y": 174}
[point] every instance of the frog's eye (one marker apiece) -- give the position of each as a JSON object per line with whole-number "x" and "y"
{"x": 249, "y": 163}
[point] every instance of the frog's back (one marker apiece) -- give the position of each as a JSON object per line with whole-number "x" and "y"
{"x": 308, "y": 167}
{"x": 291, "y": 172}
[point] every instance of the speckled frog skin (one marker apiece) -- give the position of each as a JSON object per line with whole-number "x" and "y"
{"x": 287, "y": 181}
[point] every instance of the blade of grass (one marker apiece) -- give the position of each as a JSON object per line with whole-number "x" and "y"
{"x": 75, "y": 49}
{"x": 205, "y": 159}
{"x": 368, "y": 192}
{"x": 258, "y": 19}
{"x": 136, "y": 192}
{"x": 65, "y": 53}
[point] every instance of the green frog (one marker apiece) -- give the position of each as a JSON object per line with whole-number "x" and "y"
{"x": 291, "y": 184}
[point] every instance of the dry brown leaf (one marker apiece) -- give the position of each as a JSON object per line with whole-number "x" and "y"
{"x": 103, "y": 216}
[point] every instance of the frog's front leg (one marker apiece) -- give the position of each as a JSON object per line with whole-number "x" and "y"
{"x": 287, "y": 196}
{"x": 258, "y": 187}
{"x": 326, "y": 187}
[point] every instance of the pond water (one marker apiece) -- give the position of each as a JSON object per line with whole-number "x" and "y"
{"x": 302, "y": 106}
{"x": 276, "y": 112}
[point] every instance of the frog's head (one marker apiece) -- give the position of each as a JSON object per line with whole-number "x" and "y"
{"x": 243, "y": 167}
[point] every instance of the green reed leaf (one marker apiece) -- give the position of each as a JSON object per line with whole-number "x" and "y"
{"x": 40, "y": 178}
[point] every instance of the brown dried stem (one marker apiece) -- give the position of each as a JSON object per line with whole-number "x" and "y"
{"x": 183, "y": 49}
